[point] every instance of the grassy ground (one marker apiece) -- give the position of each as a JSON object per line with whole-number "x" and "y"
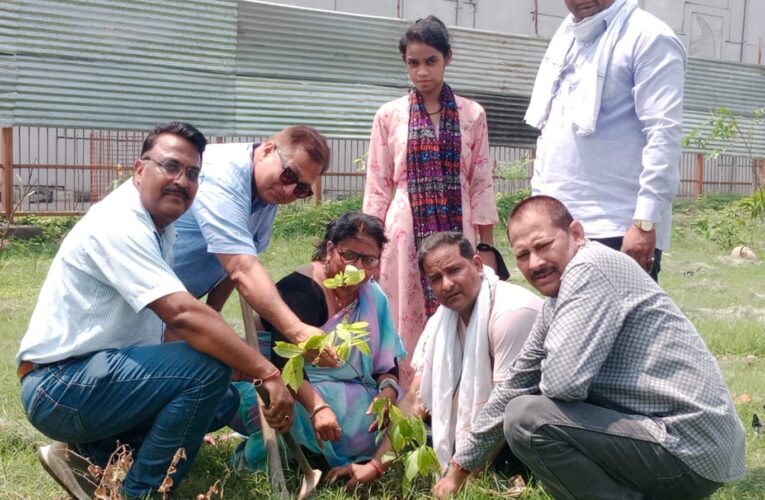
{"x": 725, "y": 300}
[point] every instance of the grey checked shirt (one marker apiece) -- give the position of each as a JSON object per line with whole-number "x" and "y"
{"x": 615, "y": 339}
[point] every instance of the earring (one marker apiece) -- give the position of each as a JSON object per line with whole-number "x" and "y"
{"x": 326, "y": 266}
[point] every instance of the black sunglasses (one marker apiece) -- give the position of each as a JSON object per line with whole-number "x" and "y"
{"x": 288, "y": 177}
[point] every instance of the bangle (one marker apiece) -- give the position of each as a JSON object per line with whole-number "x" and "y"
{"x": 377, "y": 466}
{"x": 273, "y": 374}
{"x": 317, "y": 409}
{"x": 257, "y": 382}
{"x": 389, "y": 382}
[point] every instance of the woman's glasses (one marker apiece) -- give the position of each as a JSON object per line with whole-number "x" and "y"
{"x": 288, "y": 177}
{"x": 349, "y": 256}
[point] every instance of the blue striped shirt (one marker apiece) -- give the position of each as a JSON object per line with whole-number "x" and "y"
{"x": 110, "y": 266}
{"x": 224, "y": 219}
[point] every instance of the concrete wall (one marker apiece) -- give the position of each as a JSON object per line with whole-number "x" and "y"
{"x": 730, "y": 30}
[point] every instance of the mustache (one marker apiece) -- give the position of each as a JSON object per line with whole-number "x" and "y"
{"x": 539, "y": 272}
{"x": 178, "y": 190}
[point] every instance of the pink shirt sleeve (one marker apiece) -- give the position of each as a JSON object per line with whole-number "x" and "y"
{"x": 483, "y": 202}
{"x": 379, "y": 186}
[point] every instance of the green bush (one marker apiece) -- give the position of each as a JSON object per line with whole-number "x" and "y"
{"x": 737, "y": 222}
{"x": 54, "y": 228}
{"x": 311, "y": 219}
{"x": 53, "y": 231}
{"x": 707, "y": 201}
{"x": 506, "y": 202}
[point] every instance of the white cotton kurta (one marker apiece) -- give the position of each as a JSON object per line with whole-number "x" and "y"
{"x": 629, "y": 168}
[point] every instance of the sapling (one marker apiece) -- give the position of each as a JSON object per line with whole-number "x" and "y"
{"x": 408, "y": 439}
{"x": 407, "y": 434}
{"x": 343, "y": 338}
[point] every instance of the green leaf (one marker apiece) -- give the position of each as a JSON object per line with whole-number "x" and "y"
{"x": 343, "y": 351}
{"x": 335, "y": 282}
{"x": 388, "y": 456}
{"x": 293, "y": 372}
{"x": 344, "y": 334}
{"x": 418, "y": 430}
{"x": 287, "y": 350}
{"x": 313, "y": 342}
{"x": 362, "y": 346}
{"x": 359, "y": 326}
{"x": 329, "y": 340}
{"x": 397, "y": 439}
{"x": 412, "y": 464}
{"x": 379, "y": 405}
{"x": 353, "y": 275}
{"x": 396, "y": 415}
{"x": 427, "y": 461}
{"x": 405, "y": 428}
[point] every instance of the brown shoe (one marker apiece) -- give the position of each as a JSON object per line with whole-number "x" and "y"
{"x": 69, "y": 469}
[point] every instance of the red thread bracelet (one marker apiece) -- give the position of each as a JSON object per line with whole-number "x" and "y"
{"x": 378, "y": 467}
{"x": 273, "y": 374}
{"x": 457, "y": 466}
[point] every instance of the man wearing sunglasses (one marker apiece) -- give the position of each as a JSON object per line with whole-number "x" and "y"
{"x": 229, "y": 224}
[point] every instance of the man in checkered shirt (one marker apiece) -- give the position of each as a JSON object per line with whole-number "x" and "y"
{"x": 614, "y": 394}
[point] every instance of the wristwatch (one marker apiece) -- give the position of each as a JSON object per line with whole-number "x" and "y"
{"x": 645, "y": 225}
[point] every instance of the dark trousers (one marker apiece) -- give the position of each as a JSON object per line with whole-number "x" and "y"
{"x": 579, "y": 450}
{"x": 616, "y": 244}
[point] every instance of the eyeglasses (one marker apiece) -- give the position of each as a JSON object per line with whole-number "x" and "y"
{"x": 289, "y": 177}
{"x": 173, "y": 168}
{"x": 349, "y": 256}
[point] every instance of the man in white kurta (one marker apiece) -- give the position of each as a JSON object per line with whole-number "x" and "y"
{"x": 467, "y": 348}
{"x": 608, "y": 100}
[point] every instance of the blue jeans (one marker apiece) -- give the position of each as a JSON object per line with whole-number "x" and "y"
{"x": 157, "y": 398}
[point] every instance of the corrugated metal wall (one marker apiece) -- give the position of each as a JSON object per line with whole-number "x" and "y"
{"x": 121, "y": 64}
{"x": 712, "y": 84}
{"x": 241, "y": 67}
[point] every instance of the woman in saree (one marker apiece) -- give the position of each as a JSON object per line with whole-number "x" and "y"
{"x": 332, "y": 419}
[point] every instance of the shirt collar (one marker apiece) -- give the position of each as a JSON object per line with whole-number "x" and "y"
{"x": 589, "y": 29}
{"x": 167, "y": 237}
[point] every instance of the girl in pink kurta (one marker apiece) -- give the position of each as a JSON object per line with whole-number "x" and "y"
{"x": 416, "y": 184}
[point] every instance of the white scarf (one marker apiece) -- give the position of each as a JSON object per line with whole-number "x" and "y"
{"x": 586, "y": 97}
{"x": 440, "y": 360}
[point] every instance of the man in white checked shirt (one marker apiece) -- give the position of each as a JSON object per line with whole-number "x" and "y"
{"x": 614, "y": 394}
{"x": 93, "y": 366}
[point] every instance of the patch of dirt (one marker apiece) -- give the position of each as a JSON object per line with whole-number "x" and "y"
{"x": 733, "y": 261}
{"x": 734, "y": 312}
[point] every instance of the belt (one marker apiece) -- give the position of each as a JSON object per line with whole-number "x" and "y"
{"x": 25, "y": 367}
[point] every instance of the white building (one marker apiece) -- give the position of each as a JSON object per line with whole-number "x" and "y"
{"x": 713, "y": 29}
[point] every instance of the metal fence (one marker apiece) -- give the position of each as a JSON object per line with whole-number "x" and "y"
{"x": 62, "y": 171}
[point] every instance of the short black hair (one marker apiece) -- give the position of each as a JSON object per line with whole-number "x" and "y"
{"x": 350, "y": 225}
{"x": 554, "y": 208}
{"x": 181, "y": 129}
{"x": 437, "y": 240}
{"x": 429, "y": 30}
